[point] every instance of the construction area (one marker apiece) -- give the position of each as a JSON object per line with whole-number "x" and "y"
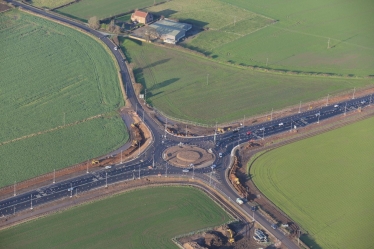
{"x": 236, "y": 235}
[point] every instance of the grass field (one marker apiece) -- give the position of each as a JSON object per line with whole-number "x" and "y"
{"x": 298, "y": 41}
{"x": 325, "y": 183}
{"x": 85, "y": 9}
{"x": 176, "y": 83}
{"x": 53, "y": 75}
{"x": 49, "y": 3}
{"x": 147, "y": 218}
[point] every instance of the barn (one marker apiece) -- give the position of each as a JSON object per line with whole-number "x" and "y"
{"x": 171, "y": 31}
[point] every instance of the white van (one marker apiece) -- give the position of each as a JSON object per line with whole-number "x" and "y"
{"x": 280, "y": 124}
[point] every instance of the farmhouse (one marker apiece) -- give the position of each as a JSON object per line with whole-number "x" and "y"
{"x": 171, "y": 31}
{"x": 141, "y": 17}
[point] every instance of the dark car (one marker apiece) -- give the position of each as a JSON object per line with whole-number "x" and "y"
{"x": 253, "y": 208}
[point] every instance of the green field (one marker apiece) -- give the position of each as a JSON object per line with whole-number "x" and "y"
{"x": 325, "y": 183}
{"x": 147, "y": 218}
{"x": 298, "y": 41}
{"x": 85, "y": 9}
{"x": 51, "y": 75}
{"x": 176, "y": 83}
{"x": 49, "y": 3}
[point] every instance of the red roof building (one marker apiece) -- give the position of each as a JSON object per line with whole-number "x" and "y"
{"x": 141, "y": 17}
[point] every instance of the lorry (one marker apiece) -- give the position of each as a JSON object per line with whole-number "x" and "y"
{"x": 239, "y": 201}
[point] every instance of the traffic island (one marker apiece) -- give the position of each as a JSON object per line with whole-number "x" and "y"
{"x": 184, "y": 156}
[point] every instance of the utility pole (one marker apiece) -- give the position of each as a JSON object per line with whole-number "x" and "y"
{"x": 106, "y": 179}
{"x": 14, "y": 210}
{"x": 300, "y": 107}
{"x": 354, "y": 90}
{"x": 328, "y": 43}
{"x": 291, "y": 125}
{"x": 71, "y": 190}
{"x": 327, "y": 101}
{"x": 319, "y": 114}
{"x": 14, "y": 189}
{"x": 207, "y": 79}
{"x": 263, "y": 134}
{"x": 31, "y": 202}
{"x": 54, "y": 176}
{"x": 76, "y": 192}
{"x": 87, "y": 167}
{"x": 186, "y": 130}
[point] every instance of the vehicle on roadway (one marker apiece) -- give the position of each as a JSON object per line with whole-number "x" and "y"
{"x": 274, "y": 226}
{"x": 185, "y": 170}
{"x": 108, "y": 167}
{"x": 253, "y": 208}
{"x": 115, "y": 48}
{"x": 249, "y": 132}
{"x": 213, "y": 166}
{"x": 239, "y": 201}
{"x": 262, "y": 129}
{"x": 71, "y": 189}
{"x": 336, "y": 106}
{"x": 281, "y": 124}
{"x": 220, "y": 155}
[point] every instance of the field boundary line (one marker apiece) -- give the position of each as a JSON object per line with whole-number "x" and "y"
{"x": 51, "y": 130}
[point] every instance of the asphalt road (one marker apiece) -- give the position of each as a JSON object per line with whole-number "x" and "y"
{"x": 139, "y": 167}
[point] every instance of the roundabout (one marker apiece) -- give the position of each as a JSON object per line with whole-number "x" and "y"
{"x": 183, "y": 156}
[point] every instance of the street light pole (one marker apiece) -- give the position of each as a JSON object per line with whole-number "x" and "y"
{"x": 263, "y": 134}
{"x": 139, "y": 172}
{"x": 153, "y": 162}
{"x": 71, "y": 190}
{"x": 271, "y": 116}
{"x": 31, "y": 202}
{"x": 327, "y": 101}
{"x": 319, "y": 115}
{"x": 106, "y": 179}
{"x": 14, "y": 189}
{"x": 54, "y": 176}
{"x": 354, "y": 90}
{"x": 300, "y": 107}
{"x": 345, "y": 109}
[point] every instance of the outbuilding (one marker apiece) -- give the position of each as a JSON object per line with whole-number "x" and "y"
{"x": 171, "y": 31}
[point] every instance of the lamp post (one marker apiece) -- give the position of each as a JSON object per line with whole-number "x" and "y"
{"x": 31, "y": 202}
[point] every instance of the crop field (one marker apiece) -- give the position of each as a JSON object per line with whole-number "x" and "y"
{"x": 53, "y": 76}
{"x": 49, "y": 3}
{"x": 325, "y": 183}
{"x": 194, "y": 88}
{"x": 85, "y": 9}
{"x": 244, "y": 32}
{"x": 146, "y": 218}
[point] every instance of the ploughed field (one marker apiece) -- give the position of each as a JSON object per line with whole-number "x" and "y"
{"x": 191, "y": 87}
{"x": 292, "y": 35}
{"x": 59, "y": 92}
{"x": 324, "y": 183}
{"x": 145, "y": 218}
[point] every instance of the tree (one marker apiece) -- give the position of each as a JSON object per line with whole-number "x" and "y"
{"x": 117, "y": 29}
{"x": 111, "y": 26}
{"x": 93, "y": 22}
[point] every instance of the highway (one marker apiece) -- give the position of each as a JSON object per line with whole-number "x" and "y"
{"x": 151, "y": 161}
